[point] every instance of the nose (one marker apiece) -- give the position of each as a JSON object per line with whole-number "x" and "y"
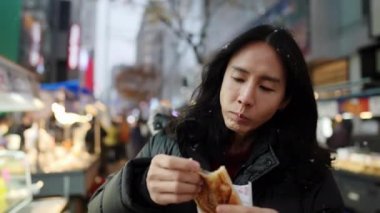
{"x": 247, "y": 95}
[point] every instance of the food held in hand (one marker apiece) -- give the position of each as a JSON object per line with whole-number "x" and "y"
{"x": 217, "y": 189}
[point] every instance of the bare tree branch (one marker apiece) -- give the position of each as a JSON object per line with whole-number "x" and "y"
{"x": 173, "y": 19}
{"x": 206, "y": 23}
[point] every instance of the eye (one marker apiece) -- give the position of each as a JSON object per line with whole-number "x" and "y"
{"x": 266, "y": 89}
{"x": 238, "y": 79}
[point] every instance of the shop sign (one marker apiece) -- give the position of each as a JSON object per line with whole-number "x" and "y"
{"x": 74, "y": 49}
{"x": 354, "y": 106}
{"x": 327, "y": 108}
{"x": 35, "y": 35}
{"x": 374, "y": 105}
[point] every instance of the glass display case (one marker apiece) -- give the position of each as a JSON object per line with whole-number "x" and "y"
{"x": 15, "y": 181}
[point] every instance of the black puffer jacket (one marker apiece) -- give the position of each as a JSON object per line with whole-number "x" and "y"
{"x": 126, "y": 191}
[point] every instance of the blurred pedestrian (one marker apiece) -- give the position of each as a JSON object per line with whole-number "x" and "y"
{"x": 139, "y": 136}
{"x": 123, "y": 137}
{"x": 19, "y": 128}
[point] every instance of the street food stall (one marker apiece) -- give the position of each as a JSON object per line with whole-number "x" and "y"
{"x": 353, "y": 134}
{"x": 62, "y": 172}
{"x": 19, "y": 93}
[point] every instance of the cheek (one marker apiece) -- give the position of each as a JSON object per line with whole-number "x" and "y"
{"x": 223, "y": 95}
{"x": 267, "y": 109}
{"x": 268, "y": 114}
{"x": 270, "y": 101}
{"x": 226, "y": 99}
{"x": 222, "y": 98}
{"x": 228, "y": 91}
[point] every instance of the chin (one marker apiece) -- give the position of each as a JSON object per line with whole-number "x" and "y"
{"x": 237, "y": 129}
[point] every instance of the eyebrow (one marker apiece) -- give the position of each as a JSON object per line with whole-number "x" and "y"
{"x": 264, "y": 77}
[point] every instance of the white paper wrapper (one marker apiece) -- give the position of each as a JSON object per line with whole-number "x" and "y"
{"x": 245, "y": 193}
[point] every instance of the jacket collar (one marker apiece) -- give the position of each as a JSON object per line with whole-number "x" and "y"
{"x": 194, "y": 153}
{"x": 262, "y": 160}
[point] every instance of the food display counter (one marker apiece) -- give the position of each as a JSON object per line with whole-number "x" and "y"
{"x": 360, "y": 192}
{"x": 61, "y": 184}
{"x": 358, "y": 177}
{"x": 15, "y": 182}
{"x": 16, "y": 188}
{"x": 70, "y": 181}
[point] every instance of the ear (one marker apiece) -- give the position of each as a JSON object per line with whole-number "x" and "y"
{"x": 284, "y": 104}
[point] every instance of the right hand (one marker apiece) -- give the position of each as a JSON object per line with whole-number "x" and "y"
{"x": 173, "y": 179}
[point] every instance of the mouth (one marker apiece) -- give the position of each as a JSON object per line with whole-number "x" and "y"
{"x": 239, "y": 118}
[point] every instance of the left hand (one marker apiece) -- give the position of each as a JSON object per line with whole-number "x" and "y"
{"x": 243, "y": 209}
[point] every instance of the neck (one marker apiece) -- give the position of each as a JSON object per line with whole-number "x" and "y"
{"x": 240, "y": 144}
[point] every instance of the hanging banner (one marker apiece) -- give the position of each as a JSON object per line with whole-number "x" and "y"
{"x": 74, "y": 47}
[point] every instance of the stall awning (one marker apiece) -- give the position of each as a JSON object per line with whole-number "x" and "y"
{"x": 72, "y": 86}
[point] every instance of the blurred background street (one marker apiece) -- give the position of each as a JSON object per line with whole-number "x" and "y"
{"x": 85, "y": 83}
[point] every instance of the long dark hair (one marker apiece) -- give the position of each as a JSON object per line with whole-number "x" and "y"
{"x": 295, "y": 124}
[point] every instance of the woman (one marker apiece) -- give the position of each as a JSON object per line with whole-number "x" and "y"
{"x": 255, "y": 113}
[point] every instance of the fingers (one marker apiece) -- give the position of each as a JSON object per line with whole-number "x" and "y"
{"x": 167, "y": 192}
{"x": 173, "y": 179}
{"x": 176, "y": 163}
{"x": 174, "y": 175}
{"x": 242, "y": 209}
{"x": 168, "y": 198}
{"x": 175, "y": 187}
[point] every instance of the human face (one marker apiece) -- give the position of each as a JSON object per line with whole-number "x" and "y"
{"x": 253, "y": 88}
